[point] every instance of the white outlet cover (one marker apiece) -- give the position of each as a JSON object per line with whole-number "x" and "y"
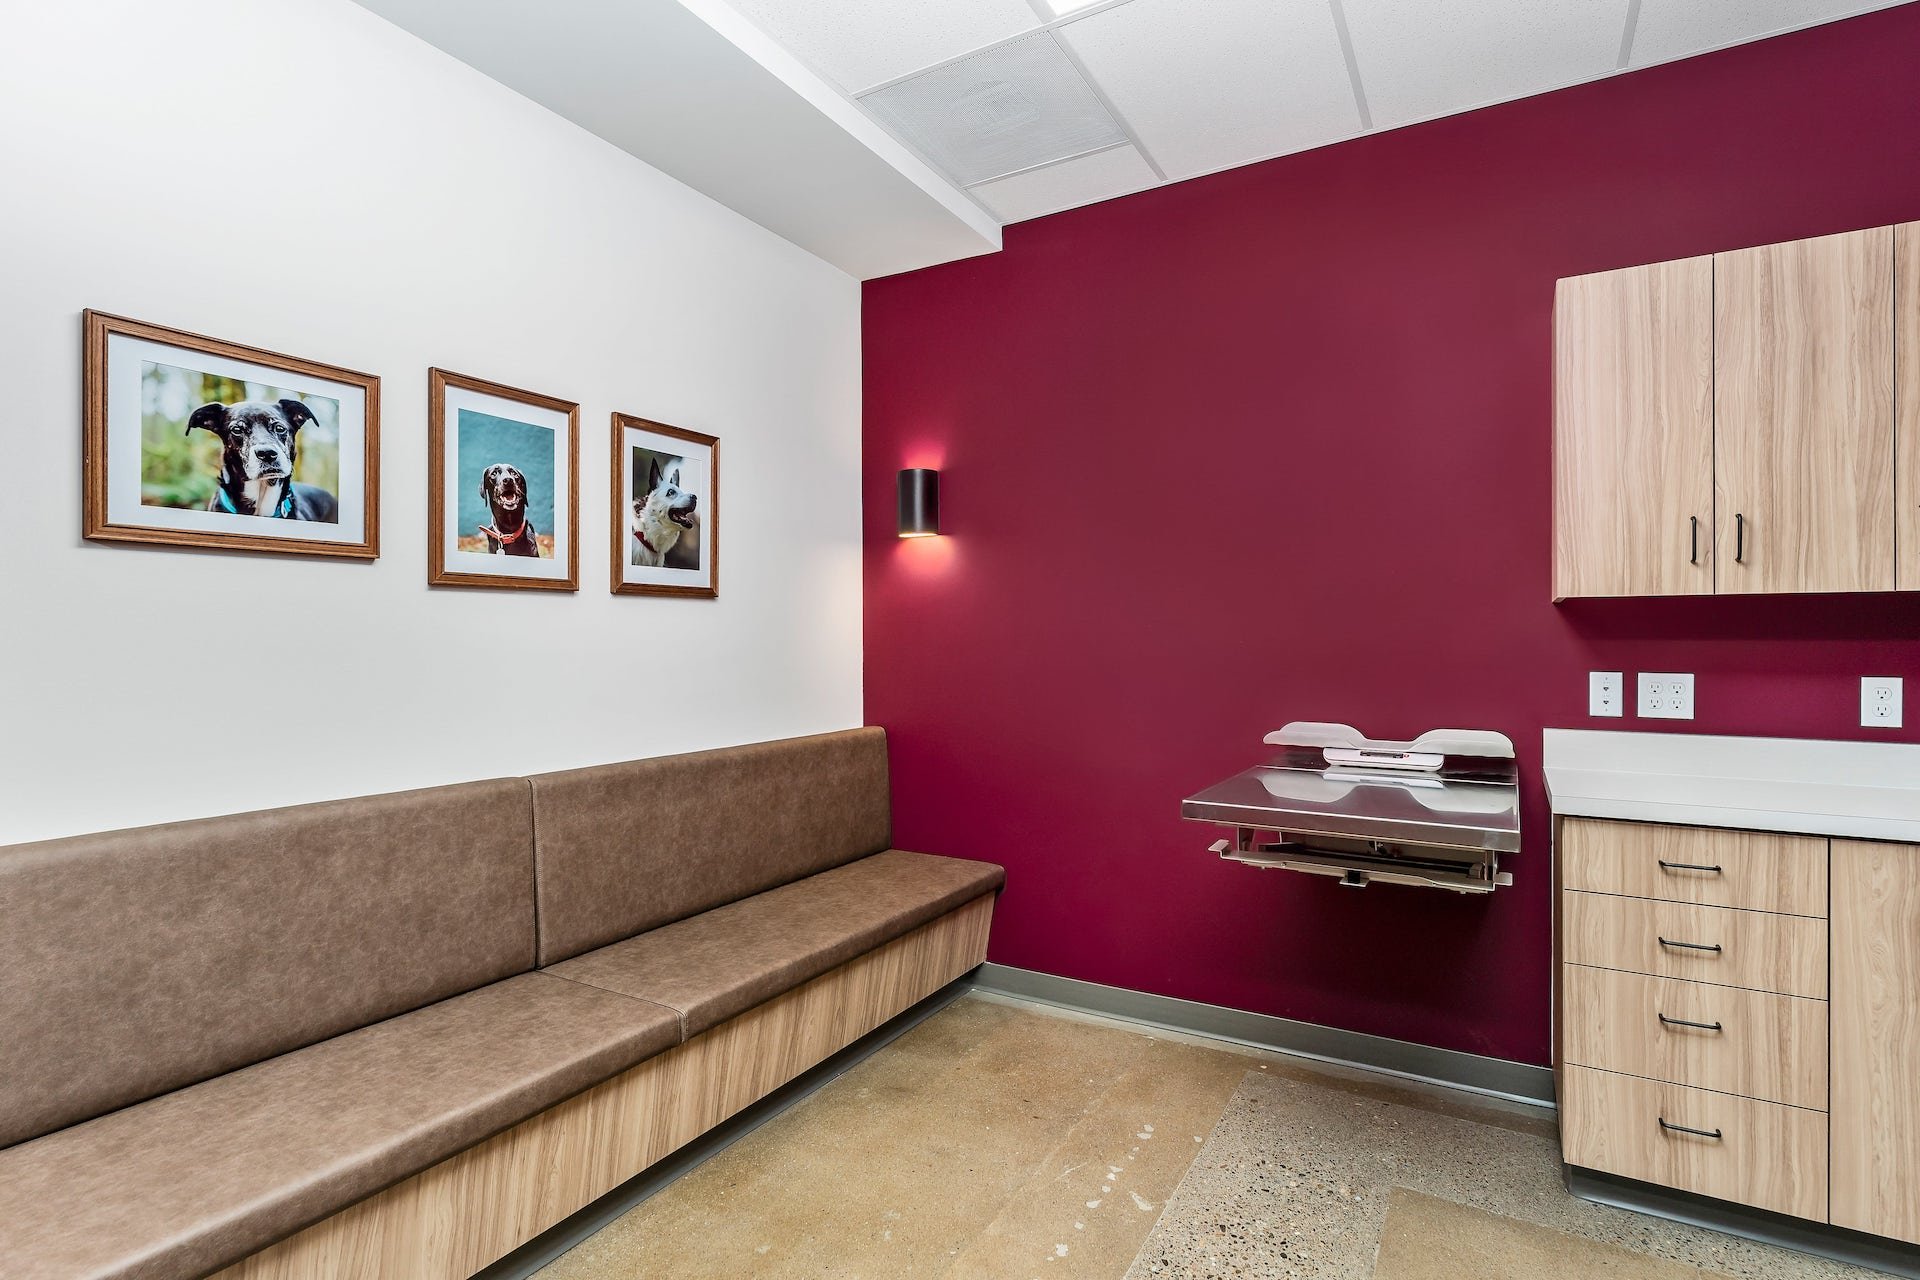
{"x": 1880, "y": 699}
{"x": 1606, "y": 693}
{"x": 1666, "y": 695}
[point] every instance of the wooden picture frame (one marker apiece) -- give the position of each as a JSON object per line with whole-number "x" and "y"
{"x": 691, "y": 490}
{"x": 147, "y": 478}
{"x": 511, "y": 435}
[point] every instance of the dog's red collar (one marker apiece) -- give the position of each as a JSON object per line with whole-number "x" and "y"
{"x": 506, "y": 537}
{"x": 643, "y": 541}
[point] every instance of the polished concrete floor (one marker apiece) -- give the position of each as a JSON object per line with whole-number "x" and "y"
{"x": 1002, "y": 1141}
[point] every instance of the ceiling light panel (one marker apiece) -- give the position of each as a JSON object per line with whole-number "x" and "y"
{"x": 1067, "y": 186}
{"x": 862, "y": 43}
{"x": 1207, "y": 84}
{"x": 996, "y": 113}
{"x": 1419, "y": 59}
{"x": 1670, "y": 29}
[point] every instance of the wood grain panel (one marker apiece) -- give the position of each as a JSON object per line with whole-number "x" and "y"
{"x": 1758, "y": 870}
{"x": 1754, "y": 949}
{"x": 460, "y": 1215}
{"x": 1633, "y": 431}
{"x": 1876, "y": 1038}
{"x": 1768, "y": 1156}
{"x": 1906, "y": 409}
{"x": 1769, "y": 1047}
{"x": 1803, "y": 415}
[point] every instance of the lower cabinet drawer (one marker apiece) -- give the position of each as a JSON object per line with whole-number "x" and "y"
{"x": 1752, "y": 1153}
{"x": 1763, "y": 1046}
{"x": 1755, "y": 870}
{"x": 1784, "y": 954}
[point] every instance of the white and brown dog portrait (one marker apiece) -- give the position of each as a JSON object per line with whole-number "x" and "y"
{"x": 661, "y": 516}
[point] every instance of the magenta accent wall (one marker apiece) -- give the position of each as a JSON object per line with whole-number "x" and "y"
{"x": 1275, "y": 445}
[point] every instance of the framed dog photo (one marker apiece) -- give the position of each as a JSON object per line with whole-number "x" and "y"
{"x": 666, "y": 510}
{"x": 192, "y": 441}
{"x": 503, "y": 486}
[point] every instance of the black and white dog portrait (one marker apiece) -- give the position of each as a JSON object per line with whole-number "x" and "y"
{"x": 260, "y": 445}
{"x": 505, "y": 490}
{"x": 661, "y": 515}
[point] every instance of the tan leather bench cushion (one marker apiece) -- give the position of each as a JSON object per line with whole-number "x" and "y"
{"x": 725, "y": 961}
{"x": 139, "y": 961}
{"x": 623, "y": 848}
{"x": 197, "y": 1179}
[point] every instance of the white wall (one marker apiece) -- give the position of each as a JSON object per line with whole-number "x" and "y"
{"x": 301, "y": 176}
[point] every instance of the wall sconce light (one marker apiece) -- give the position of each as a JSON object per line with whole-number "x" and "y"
{"x": 919, "y": 502}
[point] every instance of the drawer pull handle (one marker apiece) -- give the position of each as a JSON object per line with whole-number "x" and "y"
{"x": 1714, "y": 947}
{"x": 1715, "y": 1134}
{"x": 1665, "y": 1021}
{"x": 1671, "y": 867}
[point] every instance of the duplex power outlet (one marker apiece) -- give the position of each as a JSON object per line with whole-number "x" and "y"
{"x": 1666, "y": 695}
{"x": 1606, "y": 693}
{"x": 1880, "y": 698}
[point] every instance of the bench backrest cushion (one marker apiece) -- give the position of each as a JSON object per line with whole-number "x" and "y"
{"x": 136, "y": 962}
{"x": 623, "y": 848}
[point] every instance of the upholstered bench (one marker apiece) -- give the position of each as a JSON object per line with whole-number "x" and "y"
{"x": 401, "y": 1035}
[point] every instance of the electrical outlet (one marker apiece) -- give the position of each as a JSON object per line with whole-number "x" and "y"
{"x": 1880, "y": 700}
{"x": 1605, "y": 693}
{"x": 1666, "y": 695}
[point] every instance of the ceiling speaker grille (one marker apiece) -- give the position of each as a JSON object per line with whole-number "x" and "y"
{"x": 1010, "y": 108}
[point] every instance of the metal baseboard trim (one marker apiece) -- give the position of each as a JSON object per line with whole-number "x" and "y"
{"x": 1837, "y": 1243}
{"x": 1496, "y": 1077}
{"x": 570, "y": 1231}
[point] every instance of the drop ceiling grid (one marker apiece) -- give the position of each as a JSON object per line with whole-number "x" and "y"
{"x": 1069, "y": 184}
{"x": 1670, "y": 29}
{"x": 1200, "y": 86}
{"x": 1255, "y": 78}
{"x": 863, "y": 44}
{"x": 1420, "y": 60}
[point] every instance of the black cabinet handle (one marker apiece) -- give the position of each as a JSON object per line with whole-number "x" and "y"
{"x": 1671, "y": 867}
{"x": 1665, "y": 1021}
{"x": 1739, "y": 538}
{"x": 1715, "y": 1134}
{"x": 1693, "y": 540}
{"x": 1692, "y": 946}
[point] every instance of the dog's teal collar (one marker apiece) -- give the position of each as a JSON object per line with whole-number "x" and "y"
{"x": 283, "y": 510}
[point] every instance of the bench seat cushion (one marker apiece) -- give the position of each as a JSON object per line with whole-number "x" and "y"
{"x": 727, "y": 960}
{"x": 193, "y": 1180}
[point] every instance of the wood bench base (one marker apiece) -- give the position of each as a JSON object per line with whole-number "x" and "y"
{"x": 455, "y": 1218}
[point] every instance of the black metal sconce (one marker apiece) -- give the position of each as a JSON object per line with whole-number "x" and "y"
{"x": 919, "y": 502}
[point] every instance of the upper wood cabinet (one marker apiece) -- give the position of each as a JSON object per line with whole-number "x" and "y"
{"x": 1728, "y": 424}
{"x": 1633, "y": 431}
{"x": 1803, "y": 414}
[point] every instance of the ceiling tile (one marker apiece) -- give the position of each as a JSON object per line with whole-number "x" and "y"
{"x": 1206, "y": 84}
{"x": 1065, "y": 186}
{"x": 862, "y": 43}
{"x": 1419, "y": 59}
{"x": 1670, "y": 29}
{"x": 1010, "y": 108}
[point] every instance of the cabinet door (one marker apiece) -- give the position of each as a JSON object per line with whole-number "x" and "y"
{"x": 1875, "y": 1038}
{"x": 1906, "y": 381}
{"x": 1633, "y": 432}
{"x": 1803, "y": 415}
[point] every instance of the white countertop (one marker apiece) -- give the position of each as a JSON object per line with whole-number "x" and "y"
{"x": 1862, "y": 790}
